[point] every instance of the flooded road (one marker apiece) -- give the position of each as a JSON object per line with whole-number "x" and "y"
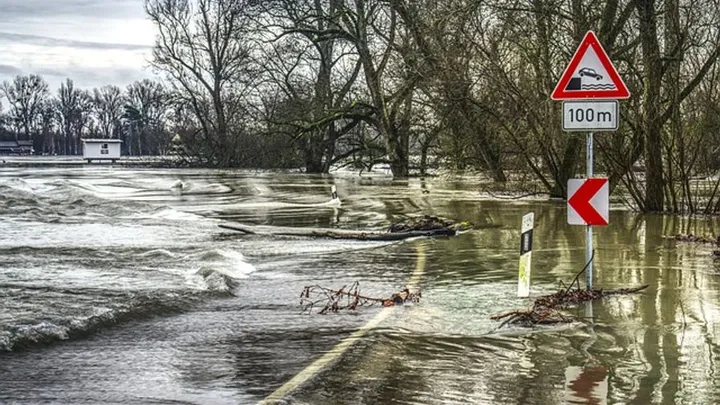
{"x": 117, "y": 288}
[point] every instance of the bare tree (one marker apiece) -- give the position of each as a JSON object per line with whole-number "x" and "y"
{"x": 147, "y": 105}
{"x": 373, "y": 28}
{"x": 316, "y": 72}
{"x": 25, "y": 96}
{"x": 204, "y": 50}
{"x": 108, "y": 109}
{"x": 444, "y": 35}
{"x": 73, "y": 108}
{"x": 46, "y": 123}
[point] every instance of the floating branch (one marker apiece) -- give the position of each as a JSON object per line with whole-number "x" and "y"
{"x": 349, "y": 298}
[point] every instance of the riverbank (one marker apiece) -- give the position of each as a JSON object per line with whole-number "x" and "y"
{"x": 76, "y": 161}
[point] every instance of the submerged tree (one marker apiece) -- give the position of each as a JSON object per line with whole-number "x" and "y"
{"x": 315, "y": 73}
{"x": 147, "y": 105}
{"x": 204, "y": 50}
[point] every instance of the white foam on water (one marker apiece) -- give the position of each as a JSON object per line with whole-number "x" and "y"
{"x": 219, "y": 270}
{"x": 158, "y": 254}
{"x": 176, "y": 215}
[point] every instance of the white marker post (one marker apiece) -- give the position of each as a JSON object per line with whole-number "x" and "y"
{"x": 334, "y": 199}
{"x": 526, "y": 240}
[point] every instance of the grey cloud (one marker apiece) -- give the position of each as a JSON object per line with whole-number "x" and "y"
{"x": 87, "y": 77}
{"x": 50, "y": 41}
{"x": 12, "y": 9}
{"x": 8, "y": 70}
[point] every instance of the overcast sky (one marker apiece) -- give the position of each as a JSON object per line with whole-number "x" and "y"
{"x": 93, "y": 42}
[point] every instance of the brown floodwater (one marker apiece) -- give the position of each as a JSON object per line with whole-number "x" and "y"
{"x": 116, "y": 287}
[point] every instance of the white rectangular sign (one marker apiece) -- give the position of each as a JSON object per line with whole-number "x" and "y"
{"x": 591, "y": 115}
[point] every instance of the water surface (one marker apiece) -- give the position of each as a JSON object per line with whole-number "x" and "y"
{"x": 116, "y": 288}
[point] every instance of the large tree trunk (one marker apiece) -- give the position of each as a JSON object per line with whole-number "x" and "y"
{"x": 329, "y": 149}
{"x": 651, "y": 121}
{"x": 313, "y": 152}
{"x": 316, "y": 140}
{"x": 396, "y": 141}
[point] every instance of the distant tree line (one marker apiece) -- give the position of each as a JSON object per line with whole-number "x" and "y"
{"x": 140, "y": 115}
{"x": 463, "y": 84}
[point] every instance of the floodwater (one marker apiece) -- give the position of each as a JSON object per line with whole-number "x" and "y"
{"x": 116, "y": 288}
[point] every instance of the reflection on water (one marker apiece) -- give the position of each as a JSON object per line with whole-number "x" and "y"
{"x": 154, "y": 303}
{"x": 586, "y": 385}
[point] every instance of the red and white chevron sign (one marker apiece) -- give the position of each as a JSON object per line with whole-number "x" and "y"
{"x": 588, "y": 201}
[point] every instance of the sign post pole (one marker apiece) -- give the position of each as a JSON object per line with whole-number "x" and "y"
{"x": 589, "y": 88}
{"x": 589, "y": 235}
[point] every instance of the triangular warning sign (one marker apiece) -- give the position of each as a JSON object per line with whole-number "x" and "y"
{"x": 590, "y": 74}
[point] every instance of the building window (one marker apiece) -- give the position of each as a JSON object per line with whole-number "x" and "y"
{"x": 104, "y": 149}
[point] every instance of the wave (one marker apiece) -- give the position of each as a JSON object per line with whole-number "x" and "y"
{"x": 217, "y": 280}
{"x": 176, "y": 215}
{"x": 161, "y": 213}
{"x": 51, "y": 200}
{"x": 15, "y": 193}
{"x": 157, "y": 254}
{"x": 224, "y": 255}
{"x": 189, "y": 188}
{"x": 70, "y": 201}
{"x": 21, "y": 336}
{"x": 609, "y": 86}
{"x": 220, "y": 270}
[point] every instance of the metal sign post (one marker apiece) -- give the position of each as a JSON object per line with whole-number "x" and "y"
{"x": 590, "y": 87}
{"x": 589, "y": 235}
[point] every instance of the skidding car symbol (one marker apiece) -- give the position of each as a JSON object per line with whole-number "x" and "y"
{"x": 590, "y": 72}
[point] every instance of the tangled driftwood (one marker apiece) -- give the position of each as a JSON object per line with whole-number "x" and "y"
{"x": 350, "y": 298}
{"x": 547, "y": 308}
{"x": 429, "y": 223}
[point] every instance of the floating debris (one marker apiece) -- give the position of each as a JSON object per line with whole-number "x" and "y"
{"x": 350, "y": 299}
{"x": 429, "y": 223}
{"x": 426, "y": 226}
{"x": 694, "y": 239}
{"x": 547, "y": 308}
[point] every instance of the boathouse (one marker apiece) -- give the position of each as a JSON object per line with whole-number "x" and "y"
{"x": 101, "y": 149}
